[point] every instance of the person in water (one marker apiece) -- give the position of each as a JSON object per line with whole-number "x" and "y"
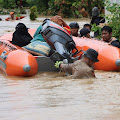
{"x": 84, "y": 32}
{"x": 12, "y": 15}
{"x": 96, "y": 19}
{"x": 88, "y": 26}
{"x": 74, "y": 27}
{"x": 106, "y": 33}
{"x": 82, "y": 68}
{"x": 58, "y": 19}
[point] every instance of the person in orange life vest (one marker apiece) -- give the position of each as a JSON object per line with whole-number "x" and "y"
{"x": 58, "y": 19}
{"x": 12, "y": 15}
{"x": 82, "y": 68}
{"x": 74, "y": 27}
{"x": 106, "y": 33}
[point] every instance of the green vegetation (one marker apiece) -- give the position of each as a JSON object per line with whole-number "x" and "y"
{"x": 33, "y": 13}
{"x": 96, "y": 28}
{"x": 114, "y": 18}
{"x": 65, "y": 8}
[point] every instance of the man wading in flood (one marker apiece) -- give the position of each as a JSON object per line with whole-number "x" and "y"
{"x": 81, "y": 68}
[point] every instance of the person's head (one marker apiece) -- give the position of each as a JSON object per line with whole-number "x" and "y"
{"x": 95, "y": 12}
{"x": 88, "y": 26}
{"x": 106, "y": 33}
{"x": 57, "y": 19}
{"x": 84, "y": 32}
{"x": 74, "y": 26}
{"x": 12, "y": 15}
{"x": 21, "y": 27}
{"x": 90, "y": 56}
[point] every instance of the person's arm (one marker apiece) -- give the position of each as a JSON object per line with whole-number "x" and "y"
{"x": 58, "y": 19}
{"x": 66, "y": 68}
{"x": 102, "y": 20}
{"x": 63, "y": 22}
{"x": 65, "y": 26}
{"x": 91, "y": 21}
{"x": 116, "y": 44}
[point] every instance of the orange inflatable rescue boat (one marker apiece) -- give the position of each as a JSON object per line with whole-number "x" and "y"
{"x": 109, "y": 56}
{"x": 16, "y": 62}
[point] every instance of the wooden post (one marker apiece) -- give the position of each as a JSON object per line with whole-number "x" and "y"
{"x": 20, "y": 4}
{"x": 16, "y": 3}
{"x": 89, "y": 8}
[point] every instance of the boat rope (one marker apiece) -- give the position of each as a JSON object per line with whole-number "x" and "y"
{"x": 3, "y": 44}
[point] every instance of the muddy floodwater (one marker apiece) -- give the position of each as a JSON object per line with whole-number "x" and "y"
{"x": 54, "y": 96}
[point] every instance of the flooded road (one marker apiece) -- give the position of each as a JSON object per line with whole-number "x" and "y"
{"x": 53, "y": 96}
{"x": 9, "y": 26}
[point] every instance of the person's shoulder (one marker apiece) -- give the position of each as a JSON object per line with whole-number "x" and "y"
{"x": 78, "y": 61}
{"x": 115, "y": 42}
{"x": 114, "y": 39}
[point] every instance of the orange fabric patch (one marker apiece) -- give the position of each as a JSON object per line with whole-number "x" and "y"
{"x": 67, "y": 28}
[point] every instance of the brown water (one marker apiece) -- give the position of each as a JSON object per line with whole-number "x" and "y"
{"x": 53, "y": 96}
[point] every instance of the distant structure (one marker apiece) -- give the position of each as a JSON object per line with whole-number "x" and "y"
{"x": 112, "y": 1}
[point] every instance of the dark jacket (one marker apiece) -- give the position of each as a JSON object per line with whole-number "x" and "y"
{"x": 114, "y": 42}
{"x": 97, "y": 20}
{"x": 21, "y": 37}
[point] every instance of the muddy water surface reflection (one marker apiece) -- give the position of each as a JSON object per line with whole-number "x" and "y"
{"x": 53, "y": 96}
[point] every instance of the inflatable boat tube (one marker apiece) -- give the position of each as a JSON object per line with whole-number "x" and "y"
{"x": 16, "y": 62}
{"x": 109, "y": 56}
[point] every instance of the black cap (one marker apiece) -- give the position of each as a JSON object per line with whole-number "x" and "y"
{"x": 74, "y": 25}
{"x": 91, "y": 54}
{"x": 84, "y": 31}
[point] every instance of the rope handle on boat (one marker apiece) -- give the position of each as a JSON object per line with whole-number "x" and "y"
{"x": 6, "y": 44}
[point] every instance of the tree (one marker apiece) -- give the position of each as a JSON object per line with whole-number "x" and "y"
{"x": 16, "y": 3}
